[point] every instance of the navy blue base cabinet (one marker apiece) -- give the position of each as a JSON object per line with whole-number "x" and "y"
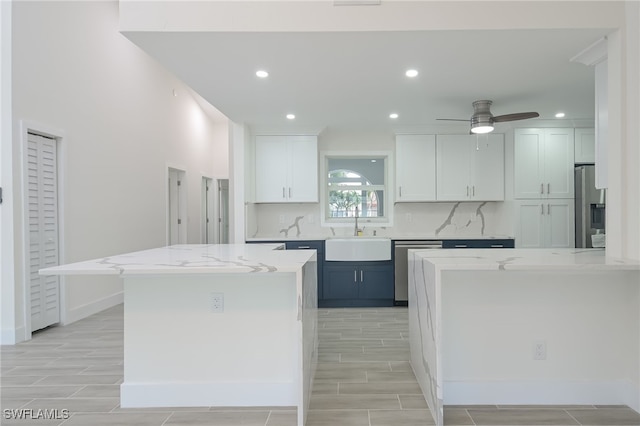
{"x": 357, "y": 284}
{"x": 492, "y": 243}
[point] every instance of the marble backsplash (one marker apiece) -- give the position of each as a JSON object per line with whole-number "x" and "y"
{"x": 466, "y": 219}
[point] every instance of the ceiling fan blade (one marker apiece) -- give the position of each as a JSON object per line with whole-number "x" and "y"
{"x": 516, "y": 116}
{"x": 453, "y": 119}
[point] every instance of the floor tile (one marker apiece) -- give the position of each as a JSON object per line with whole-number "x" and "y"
{"x": 221, "y": 418}
{"x": 342, "y": 402}
{"x": 457, "y": 417}
{"x": 283, "y": 418}
{"x": 338, "y": 417}
{"x": 118, "y": 419}
{"x": 379, "y": 388}
{"x": 495, "y": 417}
{"x": 606, "y": 416}
{"x": 411, "y": 402}
{"x": 76, "y": 405}
{"x": 401, "y": 417}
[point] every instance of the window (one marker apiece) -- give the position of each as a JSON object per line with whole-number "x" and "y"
{"x": 355, "y": 185}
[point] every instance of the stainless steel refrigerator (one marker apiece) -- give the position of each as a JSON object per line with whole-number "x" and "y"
{"x": 590, "y": 209}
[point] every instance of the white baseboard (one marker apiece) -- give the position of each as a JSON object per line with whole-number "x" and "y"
{"x": 9, "y": 336}
{"x": 94, "y": 307}
{"x": 208, "y": 395}
{"x": 542, "y": 392}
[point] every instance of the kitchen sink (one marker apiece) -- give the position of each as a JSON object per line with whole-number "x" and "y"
{"x": 357, "y": 249}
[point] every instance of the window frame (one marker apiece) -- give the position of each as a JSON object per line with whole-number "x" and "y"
{"x": 387, "y": 219}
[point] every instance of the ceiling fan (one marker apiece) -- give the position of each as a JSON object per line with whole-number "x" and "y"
{"x": 482, "y": 120}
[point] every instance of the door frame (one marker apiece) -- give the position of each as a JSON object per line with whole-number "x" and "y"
{"x": 27, "y": 127}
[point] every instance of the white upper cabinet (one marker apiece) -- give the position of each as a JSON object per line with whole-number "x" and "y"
{"x": 415, "y": 168}
{"x": 585, "y": 146}
{"x": 470, "y": 167}
{"x": 543, "y": 163}
{"x": 286, "y": 169}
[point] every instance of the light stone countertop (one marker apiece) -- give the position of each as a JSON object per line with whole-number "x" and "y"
{"x": 525, "y": 259}
{"x": 192, "y": 259}
{"x": 391, "y": 237}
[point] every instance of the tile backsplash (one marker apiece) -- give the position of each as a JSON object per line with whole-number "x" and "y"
{"x": 467, "y": 219}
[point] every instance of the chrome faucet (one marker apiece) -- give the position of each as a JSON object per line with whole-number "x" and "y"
{"x": 355, "y": 231}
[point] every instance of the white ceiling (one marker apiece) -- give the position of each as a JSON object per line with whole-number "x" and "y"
{"x": 356, "y": 79}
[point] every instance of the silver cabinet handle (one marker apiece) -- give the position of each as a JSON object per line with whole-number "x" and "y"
{"x": 361, "y": 275}
{"x": 289, "y": 192}
{"x": 283, "y": 196}
{"x": 355, "y": 276}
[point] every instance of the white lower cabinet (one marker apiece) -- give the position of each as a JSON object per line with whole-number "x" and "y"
{"x": 545, "y": 223}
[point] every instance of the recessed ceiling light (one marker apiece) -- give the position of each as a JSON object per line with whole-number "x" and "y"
{"x": 291, "y": 116}
{"x": 411, "y": 73}
{"x": 560, "y": 115}
{"x": 393, "y": 115}
{"x": 262, "y": 74}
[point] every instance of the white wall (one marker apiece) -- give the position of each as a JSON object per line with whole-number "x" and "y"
{"x": 7, "y": 307}
{"x": 125, "y": 120}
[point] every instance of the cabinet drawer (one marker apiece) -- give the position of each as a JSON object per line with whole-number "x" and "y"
{"x": 493, "y": 243}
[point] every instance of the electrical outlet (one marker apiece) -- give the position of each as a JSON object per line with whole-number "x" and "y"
{"x": 217, "y": 302}
{"x": 539, "y": 350}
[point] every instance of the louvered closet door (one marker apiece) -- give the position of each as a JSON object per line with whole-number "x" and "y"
{"x": 43, "y": 230}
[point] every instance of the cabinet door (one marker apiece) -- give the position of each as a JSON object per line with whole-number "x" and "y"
{"x": 528, "y": 171}
{"x": 376, "y": 282}
{"x": 529, "y": 224}
{"x": 341, "y": 281}
{"x": 558, "y": 163}
{"x": 487, "y": 180}
{"x": 585, "y": 146}
{"x": 416, "y": 167}
{"x": 559, "y": 223}
{"x": 303, "y": 166}
{"x": 271, "y": 169}
{"x": 452, "y": 168}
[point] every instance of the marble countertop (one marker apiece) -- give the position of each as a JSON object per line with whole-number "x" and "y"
{"x": 192, "y": 259}
{"x": 525, "y": 259}
{"x": 391, "y": 237}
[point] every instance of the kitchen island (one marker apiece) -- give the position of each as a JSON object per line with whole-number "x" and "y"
{"x": 215, "y": 325}
{"x": 518, "y": 326}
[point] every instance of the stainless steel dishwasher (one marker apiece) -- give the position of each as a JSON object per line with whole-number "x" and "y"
{"x": 401, "y": 266}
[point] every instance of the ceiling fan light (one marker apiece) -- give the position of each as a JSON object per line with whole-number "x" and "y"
{"x": 480, "y": 129}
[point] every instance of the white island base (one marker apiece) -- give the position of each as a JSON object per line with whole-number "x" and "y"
{"x": 524, "y": 327}
{"x": 216, "y": 325}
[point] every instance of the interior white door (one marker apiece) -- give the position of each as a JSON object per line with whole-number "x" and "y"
{"x": 42, "y": 228}
{"x": 208, "y": 211}
{"x": 176, "y": 209}
{"x": 223, "y": 211}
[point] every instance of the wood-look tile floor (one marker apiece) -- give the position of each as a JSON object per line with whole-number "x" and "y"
{"x": 363, "y": 378}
